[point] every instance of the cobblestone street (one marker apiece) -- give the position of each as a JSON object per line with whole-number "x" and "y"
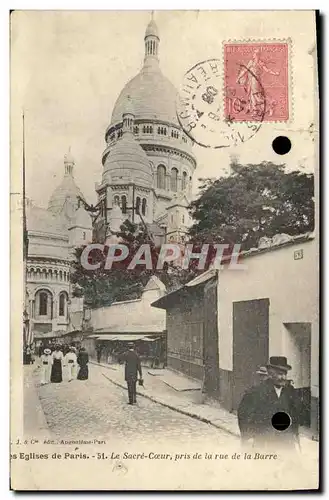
{"x": 97, "y": 408}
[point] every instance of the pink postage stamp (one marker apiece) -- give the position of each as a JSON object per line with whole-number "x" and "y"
{"x": 256, "y": 81}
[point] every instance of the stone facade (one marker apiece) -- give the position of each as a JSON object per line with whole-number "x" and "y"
{"x": 53, "y": 234}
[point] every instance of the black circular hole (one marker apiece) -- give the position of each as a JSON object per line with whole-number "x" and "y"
{"x": 281, "y": 421}
{"x": 281, "y": 145}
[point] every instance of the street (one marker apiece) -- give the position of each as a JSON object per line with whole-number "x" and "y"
{"x": 98, "y": 409}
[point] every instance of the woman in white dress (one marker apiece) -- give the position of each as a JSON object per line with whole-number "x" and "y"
{"x": 45, "y": 364}
{"x": 70, "y": 361}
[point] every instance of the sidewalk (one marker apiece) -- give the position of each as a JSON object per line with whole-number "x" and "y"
{"x": 184, "y": 395}
{"x": 35, "y": 423}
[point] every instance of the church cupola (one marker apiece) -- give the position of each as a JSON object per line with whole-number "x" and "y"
{"x": 152, "y": 41}
{"x": 69, "y": 163}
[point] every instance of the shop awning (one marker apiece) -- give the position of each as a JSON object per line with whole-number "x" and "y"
{"x": 122, "y": 338}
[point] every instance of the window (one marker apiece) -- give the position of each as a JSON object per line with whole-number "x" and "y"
{"x": 138, "y": 204}
{"x": 62, "y": 304}
{"x": 173, "y": 179}
{"x": 84, "y": 235}
{"x": 116, "y": 200}
{"x": 124, "y": 204}
{"x": 183, "y": 219}
{"x": 184, "y": 180}
{"x": 161, "y": 177}
{"x": 136, "y": 130}
{"x": 43, "y": 304}
{"x": 144, "y": 206}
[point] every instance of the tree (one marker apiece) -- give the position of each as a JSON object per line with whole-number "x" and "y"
{"x": 102, "y": 287}
{"x": 254, "y": 201}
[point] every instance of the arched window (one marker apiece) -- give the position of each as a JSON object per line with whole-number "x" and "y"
{"x": 84, "y": 235}
{"x": 116, "y": 200}
{"x": 173, "y": 179}
{"x": 60, "y": 275}
{"x": 183, "y": 219}
{"x": 144, "y": 206}
{"x": 159, "y": 130}
{"x": 161, "y": 177}
{"x": 62, "y": 304}
{"x": 138, "y": 204}
{"x": 44, "y": 303}
{"x": 184, "y": 180}
{"x": 124, "y": 204}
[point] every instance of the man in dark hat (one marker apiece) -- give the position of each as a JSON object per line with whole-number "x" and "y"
{"x": 259, "y": 405}
{"x": 132, "y": 368}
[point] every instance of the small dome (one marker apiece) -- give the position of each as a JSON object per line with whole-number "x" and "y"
{"x": 81, "y": 218}
{"x": 67, "y": 190}
{"x": 127, "y": 162}
{"x": 152, "y": 29}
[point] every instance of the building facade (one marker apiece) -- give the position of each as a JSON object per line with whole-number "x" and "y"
{"x": 148, "y": 163}
{"x": 226, "y": 323}
{"x": 53, "y": 234}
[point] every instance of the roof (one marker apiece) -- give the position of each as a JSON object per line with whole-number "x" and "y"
{"x": 67, "y": 189}
{"x": 40, "y": 220}
{"x": 156, "y": 328}
{"x": 127, "y": 162}
{"x": 125, "y": 338}
{"x": 152, "y": 94}
{"x": 177, "y": 296}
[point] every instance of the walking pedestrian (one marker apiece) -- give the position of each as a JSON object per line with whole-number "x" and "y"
{"x": 99, "y": 353}
{"x": 56, "y": 370}
{"x": 46, "y": 362}
{"x": 132, "y": 368}
{"x": 259, "y": 405}
{"x": 83, "y": 360}
{"x": 28, "y": 355}
{"x": 70, "y": 361}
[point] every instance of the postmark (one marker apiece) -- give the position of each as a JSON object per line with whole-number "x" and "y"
{"x": 252, "y": 72}
{"x": 201, "y": 108}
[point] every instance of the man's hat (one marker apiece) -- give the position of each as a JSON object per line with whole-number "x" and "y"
{"x": 47, "y": 351}
{"x": 262, "y": 370}
{"x": 279, "y": 362}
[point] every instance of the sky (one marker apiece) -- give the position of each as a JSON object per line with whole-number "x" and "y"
{"x": 68, "y": 68}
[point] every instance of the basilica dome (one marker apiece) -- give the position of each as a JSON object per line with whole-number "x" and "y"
{"x": 153, "y": 95}
{"x": 127, "y": 162}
